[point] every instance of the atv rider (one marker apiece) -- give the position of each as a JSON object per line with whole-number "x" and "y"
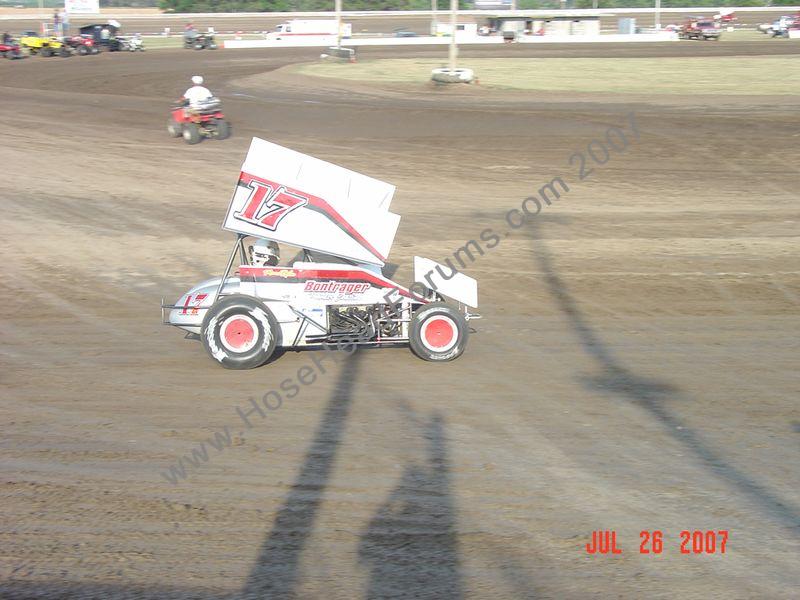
{"x": 196, "y": 94}
{"x": 265, "y": 253}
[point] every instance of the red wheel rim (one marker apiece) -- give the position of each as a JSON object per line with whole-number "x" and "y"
{"x": 238, "y": 333}
{"x": 439, "y": 333}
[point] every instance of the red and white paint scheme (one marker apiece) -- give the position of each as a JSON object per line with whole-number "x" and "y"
{"x": 340, "y": 224}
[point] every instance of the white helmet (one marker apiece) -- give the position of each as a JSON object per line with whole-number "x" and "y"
{"x": 265, "y": 253}
{"x": 197, "y": 80}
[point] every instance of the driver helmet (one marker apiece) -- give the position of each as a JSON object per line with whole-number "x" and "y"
{"x": 265, "y": 253}
{"x": 197, "y": 80}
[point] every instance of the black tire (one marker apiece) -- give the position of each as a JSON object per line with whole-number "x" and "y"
{"x": 223, "y": 130}
{"x": 64, "y": 52}
{"x": 239, "y": 332}
{"x": 94, "y": 50}
{"x": 191, "y": 133}
{"x": 174, "y": 129}
{"x": 46, "y": 51}
{"x": 82, "y": 50}
{"x": 448, "y": 338}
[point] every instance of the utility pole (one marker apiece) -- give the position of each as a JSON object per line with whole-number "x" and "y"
{"x": 658, "y": 15}
{"x": 434, "y": 8}
{"x": 453, "y": 23}
{"x": 338, "y": 7}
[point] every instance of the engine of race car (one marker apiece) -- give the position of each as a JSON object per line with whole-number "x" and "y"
{"x": 364, "y": 321}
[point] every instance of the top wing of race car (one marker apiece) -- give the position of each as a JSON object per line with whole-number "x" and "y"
{"x": 306, "y": 202}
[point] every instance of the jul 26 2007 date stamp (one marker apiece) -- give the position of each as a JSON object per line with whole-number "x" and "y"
{"x": 697, "y": 541}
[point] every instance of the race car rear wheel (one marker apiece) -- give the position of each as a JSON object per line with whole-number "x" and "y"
{"x": 174, "y": 129}
{"x": 191, "y": 133}
{"x": 438, "y": 332}
{"x": 82, "y": 50}
{"x": 239, "y": 332}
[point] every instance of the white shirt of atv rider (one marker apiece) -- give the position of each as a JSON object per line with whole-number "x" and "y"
{"x": 196, "y": 94}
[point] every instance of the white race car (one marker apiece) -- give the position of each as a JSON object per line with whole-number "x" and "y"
{"x": 336, "y": 296}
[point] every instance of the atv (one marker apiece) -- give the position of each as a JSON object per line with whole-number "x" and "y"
{"x": 131, "y": 43}
{"x": 10, "y": 49}
{"x": 199, "y": 41}
{"x": 82, "y": 45}
{"x": 193, "y": 124}
{"x": 46, "y": 46}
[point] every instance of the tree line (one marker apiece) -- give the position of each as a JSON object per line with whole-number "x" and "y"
{"x": 327, "y": 5}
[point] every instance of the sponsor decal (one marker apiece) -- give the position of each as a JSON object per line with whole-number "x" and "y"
{"x": 285, "y": 273}
{"x": 193, "y": 305}
{"x": 336, "y": 288}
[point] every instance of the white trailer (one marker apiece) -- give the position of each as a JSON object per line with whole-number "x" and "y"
{"x": 462, "y": 29}
{"x": 309, "y": 27}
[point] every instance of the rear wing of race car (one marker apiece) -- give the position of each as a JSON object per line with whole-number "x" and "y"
{"x": 293, "y": 198}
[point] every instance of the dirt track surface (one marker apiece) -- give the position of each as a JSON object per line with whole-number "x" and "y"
{"x": 636, "y": 367}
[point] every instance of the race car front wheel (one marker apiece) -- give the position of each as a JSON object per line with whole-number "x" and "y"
{"x": 239, "y": 332}
{"x": 438, "y": 332}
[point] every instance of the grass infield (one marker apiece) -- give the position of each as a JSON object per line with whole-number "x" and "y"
{"x": 756, "y": 75}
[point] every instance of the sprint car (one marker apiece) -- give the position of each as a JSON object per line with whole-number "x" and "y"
{"x": 334, "y": 293}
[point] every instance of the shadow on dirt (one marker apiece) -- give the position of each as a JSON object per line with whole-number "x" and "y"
{"x": 652, "y": 396}
{"x": 276, "y": 570}
{"x": 410, "y": 546}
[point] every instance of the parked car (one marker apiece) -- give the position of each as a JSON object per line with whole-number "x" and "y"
{"x": 699, "y": 29}
{"x": 403, "y": 32}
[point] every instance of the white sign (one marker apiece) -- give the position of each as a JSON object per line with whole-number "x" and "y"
{"x": 82, "y": 7}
